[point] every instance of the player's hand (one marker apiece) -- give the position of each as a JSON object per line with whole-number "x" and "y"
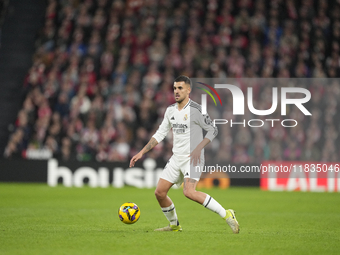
{"x": 195, "y": 157}
{"x": 135, "y": 158}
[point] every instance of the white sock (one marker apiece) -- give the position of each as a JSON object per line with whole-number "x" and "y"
{"x": 170, "y": 214}
{"x": 214, "y": 206}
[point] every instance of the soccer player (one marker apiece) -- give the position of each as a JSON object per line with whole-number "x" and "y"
{"x": 187, "y": 121}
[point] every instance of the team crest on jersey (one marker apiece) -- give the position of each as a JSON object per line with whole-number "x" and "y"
{"x": 185, "y": 117}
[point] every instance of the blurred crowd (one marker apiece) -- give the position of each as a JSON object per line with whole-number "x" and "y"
{"x": 103, "y": 72}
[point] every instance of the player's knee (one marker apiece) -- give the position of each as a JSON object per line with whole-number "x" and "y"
{"x": 160, "y": 194}
{"x": 189, "y": 193}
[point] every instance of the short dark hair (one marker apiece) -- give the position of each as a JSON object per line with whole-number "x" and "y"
{"x": 184, "y": 78}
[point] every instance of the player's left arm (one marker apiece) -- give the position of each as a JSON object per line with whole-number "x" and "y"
{"x": 206, "y": 123}
{"x": 195, "y": 155}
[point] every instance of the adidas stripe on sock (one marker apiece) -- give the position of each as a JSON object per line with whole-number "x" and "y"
{"x": 170, "y": 214}
{"x": 214, "y": 206}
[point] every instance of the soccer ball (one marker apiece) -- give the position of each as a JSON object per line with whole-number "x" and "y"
{"x": 129, "y": 213}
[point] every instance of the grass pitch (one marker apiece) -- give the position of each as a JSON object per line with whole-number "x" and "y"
{"x": 36, "y": 219}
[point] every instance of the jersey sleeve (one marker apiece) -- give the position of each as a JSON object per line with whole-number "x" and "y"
{"x": 163, "y": 129}
{"x": 206, "y": 123}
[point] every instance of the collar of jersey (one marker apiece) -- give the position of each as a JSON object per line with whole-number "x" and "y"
{"x": 185, "y": 105}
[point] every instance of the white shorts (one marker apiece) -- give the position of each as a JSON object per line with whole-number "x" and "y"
{"x": 179, "y": 168}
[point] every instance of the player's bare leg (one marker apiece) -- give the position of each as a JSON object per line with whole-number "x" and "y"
{"x": 161, "y": 192}
{"x": 189, "y": 190}
{"x": 207, "y": 201}
{"x": 167, "y": 205}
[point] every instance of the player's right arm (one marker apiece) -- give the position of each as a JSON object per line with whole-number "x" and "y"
{"x": 152, "y": 143}
{"x": 155, "y": 139}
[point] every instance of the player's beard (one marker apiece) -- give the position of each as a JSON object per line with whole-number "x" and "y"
{"x": 179, "y": 100}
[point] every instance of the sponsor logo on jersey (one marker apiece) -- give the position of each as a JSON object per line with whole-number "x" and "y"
{"x": 177, "y": 125}
{"x": 179, "y": 128}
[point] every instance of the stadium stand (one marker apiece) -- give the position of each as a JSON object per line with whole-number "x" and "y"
{"x": 102, "y": 74}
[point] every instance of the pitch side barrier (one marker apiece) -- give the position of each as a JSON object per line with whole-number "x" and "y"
{"x": 145, "y": 174}
{"x": 269, "y": 175}
{"x": 300, "y": 176}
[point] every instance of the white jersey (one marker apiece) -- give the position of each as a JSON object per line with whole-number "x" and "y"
{"x": 186, "y": 125}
